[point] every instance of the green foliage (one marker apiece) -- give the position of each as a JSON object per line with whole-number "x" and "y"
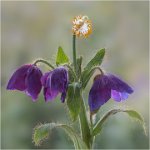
{"x": 74, "y": 100}
{"x": 96, "y": 60}
{"x": 61, "y": 57}
{"x": 41, "y": 132}
{"x": 132, "y": 113}
{"x": 90, "y": 67}
{"x": 85, "y": 76}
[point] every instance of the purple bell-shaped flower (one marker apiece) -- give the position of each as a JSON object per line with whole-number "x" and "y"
{"x": 106, "y": 87}
{"x": 55, "y": 82}
{"x": 28, "y": 79}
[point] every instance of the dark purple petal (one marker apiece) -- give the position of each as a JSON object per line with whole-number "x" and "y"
{"x": 119, "y": 85}
{"x": 33, "y": 82}
{"x": 50, "y": 95}
{"x": 99, "y": 94}
{"x": 59, "y": 79}
{"x": 44, "y": 78}
{"x": 17, "y": 81}
{"x": 63, "y": 96}
{"x": 55, "y": 82}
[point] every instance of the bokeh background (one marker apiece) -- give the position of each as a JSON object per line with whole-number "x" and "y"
{"x": 35, "y": 29}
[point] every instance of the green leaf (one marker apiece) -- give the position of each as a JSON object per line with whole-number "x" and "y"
{"x": 91, "y": 66}
{"x": 74, "y": 100}
{"x": 79, "y": 63}
{"x": 132, "y": 113}
{"x": 96, "y": 60}
{"x": 41, "y": 132}
{"x": 85, "y": 76}
{"x": 61, "y": 57}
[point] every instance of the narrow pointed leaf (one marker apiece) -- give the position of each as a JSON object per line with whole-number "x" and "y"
{"x": 61, "y": 57}
{"x": 74, "y": 100}
{"x": 96, "y": 60}
{"x": 85, "y": 76}
{"x": 132, "y": 113}
{"x": 41, "y": 132}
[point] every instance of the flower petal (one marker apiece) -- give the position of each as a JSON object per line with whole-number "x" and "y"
{"x": 63, "y": 96}
{"x": 98, "y": 98}
{"x": 50, "y": 95}
{"x": 119, "y": 85}
{"x": 33, "y": 82}
{"x": 44, "y": 78}
{"x": 17, "y": 81}
{"x": 59, "y": 79}
{"x": 99, "y": 94}
{"x": 55, "y": 82}
{"x": 118, "y": 96}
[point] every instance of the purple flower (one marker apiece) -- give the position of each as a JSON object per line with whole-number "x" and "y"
{"x": 106, "y": 87}
{"x": 28, "y": 79}
{"x": 55, "y": 82}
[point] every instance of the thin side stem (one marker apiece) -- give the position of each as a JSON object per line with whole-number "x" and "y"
{"x": 45, "y": 62}
{"x": 97, "y": 67}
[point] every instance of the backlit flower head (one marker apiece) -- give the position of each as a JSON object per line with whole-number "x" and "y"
{"x": 82, "y": 26}
{"x": 106, "y": 87}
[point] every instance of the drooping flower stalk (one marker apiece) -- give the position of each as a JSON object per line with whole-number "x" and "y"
{"x": 45, "y": 62}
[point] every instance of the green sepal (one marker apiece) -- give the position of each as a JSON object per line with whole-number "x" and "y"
{"x": 41, "y": 132}
{"x": 96, "y": 60}
{"x": 61, "y": 57}
{"x": 132, "y": 113}
{"x": 74, "y": 99}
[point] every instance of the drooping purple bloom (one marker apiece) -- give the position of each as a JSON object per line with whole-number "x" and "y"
{"x": 55, "y": 82}
{"x": 28, "y": 79}
{"x": 106, "y": 87}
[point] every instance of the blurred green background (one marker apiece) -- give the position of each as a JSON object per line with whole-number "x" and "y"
{"x": 35, "y": 29}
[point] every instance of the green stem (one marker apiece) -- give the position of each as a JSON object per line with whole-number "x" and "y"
{"x": 43, "y": 61}
{"x": 74, "y": 53}
{"x": 92, "y": 137}
{"x": 83, "y": 121}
